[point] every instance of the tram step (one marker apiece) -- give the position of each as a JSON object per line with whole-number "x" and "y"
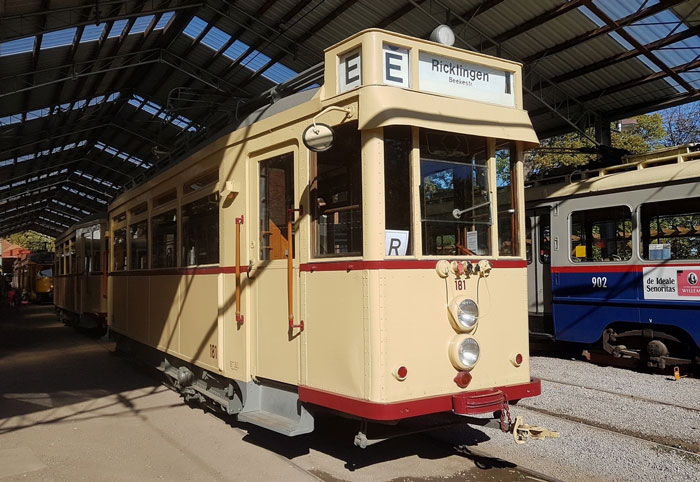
{"x": 278, "y": 423}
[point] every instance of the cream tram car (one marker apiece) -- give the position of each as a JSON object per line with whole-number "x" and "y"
{"x": 355, "y": 247}
{"x": 80, "y": 286}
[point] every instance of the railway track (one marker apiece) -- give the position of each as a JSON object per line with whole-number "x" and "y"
{"x": 688, "y": 448}
{"x": 624, "y": 395}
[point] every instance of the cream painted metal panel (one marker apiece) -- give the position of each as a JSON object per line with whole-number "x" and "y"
{"x": 137, "y": 311}
{"x": 199, "y": 320}
{"x": 335, "y": 332}
{"x": 164, "y": 313}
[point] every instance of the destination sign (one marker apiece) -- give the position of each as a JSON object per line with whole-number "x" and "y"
{"x": 443, "y": 75}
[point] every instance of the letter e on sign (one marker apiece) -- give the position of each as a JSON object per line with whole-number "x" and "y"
{"x": 349, "y": 70}
{"x": 396, "y": 66}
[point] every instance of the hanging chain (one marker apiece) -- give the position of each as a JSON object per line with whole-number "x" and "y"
{"x": 505, "y": 412}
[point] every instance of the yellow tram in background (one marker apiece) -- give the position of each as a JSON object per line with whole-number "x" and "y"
{"x": 355, "y": 247}
{"x": 80, "y": 276}
{"x": 33, "y": 277}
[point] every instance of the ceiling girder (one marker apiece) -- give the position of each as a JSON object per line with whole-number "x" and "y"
{"x": 83, "y": 20}
{"x": 628, "y": 54}
{"x": 635, "y": 17}
{"x": 638, "y": 46}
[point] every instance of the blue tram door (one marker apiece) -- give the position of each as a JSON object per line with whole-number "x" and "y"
{"x": 539, "y": 277}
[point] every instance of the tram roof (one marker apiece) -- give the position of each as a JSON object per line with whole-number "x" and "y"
{"x": 94, "y": 96}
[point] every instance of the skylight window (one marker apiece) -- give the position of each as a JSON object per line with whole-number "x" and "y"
{"x": 154, "y": 109}
{"x": 114, "y": 152}
{"x": 141, "y": 24}
{"x": 45, "y": 152}
{"x": 59, "y": 38}
{"x": 215, "y": 39}
{"x": 45, "y": 111}
{"x": 163, "y": 22}
{"x": 70, "y": 206}
{"x": 92, "y": 33}
{"x": 63, "y": 37}
{"x": 19, "y": 46}
{"x": 117, "y": 28}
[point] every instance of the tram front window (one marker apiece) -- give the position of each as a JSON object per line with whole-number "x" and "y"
{"x": 455, "y": 202}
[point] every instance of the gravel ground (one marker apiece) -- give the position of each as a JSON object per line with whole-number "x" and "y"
{"x": 675, "y": 426}
{"x": 585, "y": 452}
{"x": 684, "y": 392}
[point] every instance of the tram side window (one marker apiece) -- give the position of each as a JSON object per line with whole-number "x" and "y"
{"x": 397, "y": 190}
{"x": 119, "y": 249}
{"x": 139, "y": 244}
{"x": 87, "y": 250}
{"x": 455, "y": 202}
{"x": 670, "y": 229}
{"x": 601, "y": 234}
{"x": 507, "y": 203}
{"x": 164, "y": 236}
{"x": 96, "y": 251}
{"x": 276, "y": 197}
{"x": 73, "y": 269}
{"x": 337, "y": 195}
{"x": 200, "y": 231}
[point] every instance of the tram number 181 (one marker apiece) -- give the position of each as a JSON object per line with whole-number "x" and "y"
{"x": 599, "y": 282}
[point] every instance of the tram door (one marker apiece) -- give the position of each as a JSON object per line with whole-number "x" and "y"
{"x": 539, "y": 277}
{"x": 277, "y": 346}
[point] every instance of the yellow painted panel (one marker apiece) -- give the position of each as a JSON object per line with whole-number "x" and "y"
{"x": 199, "y": 320}
{"x": 334, "y": 332}
{"x": 164, "y": 311}
{"x": 138, "y": 308}
{"x": 236, "y": 336}
{"x": 277, "y": 345}
{"x": 119, "y": 303}
{"x": 418, "y": 331}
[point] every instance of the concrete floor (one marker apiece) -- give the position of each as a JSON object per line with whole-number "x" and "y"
{"x": 70, "y": 409}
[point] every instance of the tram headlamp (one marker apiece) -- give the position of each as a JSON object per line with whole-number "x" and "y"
{"x": 464, "y": 313}
{"x": 464, "y": 352}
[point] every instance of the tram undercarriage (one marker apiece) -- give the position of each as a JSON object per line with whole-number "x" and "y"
{"x": 655, "y": 348}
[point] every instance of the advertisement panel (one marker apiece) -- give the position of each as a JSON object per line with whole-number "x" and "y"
{"x": 671, "y": 283}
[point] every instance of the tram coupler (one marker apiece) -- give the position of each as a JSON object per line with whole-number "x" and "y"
{"x": 523, "y": 431}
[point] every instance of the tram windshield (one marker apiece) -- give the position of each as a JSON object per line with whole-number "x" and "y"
{"x": 454, "y": 194}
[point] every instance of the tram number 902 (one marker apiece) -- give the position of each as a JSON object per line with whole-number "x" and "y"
{"x": 599, "y": 282}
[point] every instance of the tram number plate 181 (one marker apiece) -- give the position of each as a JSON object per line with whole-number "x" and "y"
{"x": 460, "y": 284}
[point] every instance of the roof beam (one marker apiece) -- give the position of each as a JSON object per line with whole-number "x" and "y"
{"x": 129, "y": 60}
{"x": 94, "y": 18}
{"x": 72, "y": 130}
{"x": 629, "y": 84}
{"x": 628, "y": 54}
{"x": 635, "y": 17}
{"x": 638, "y": 46}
